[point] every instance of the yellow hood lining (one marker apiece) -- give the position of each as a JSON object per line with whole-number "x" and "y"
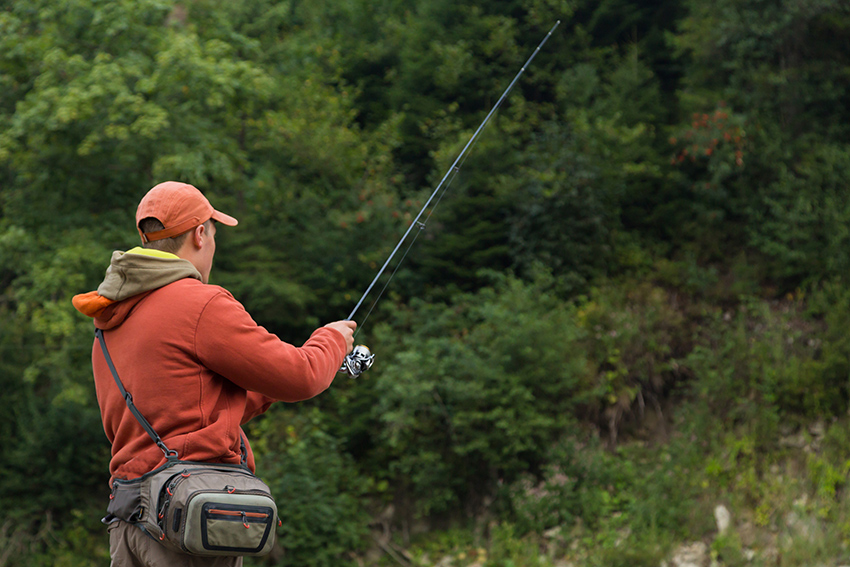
{"x": 151, "y": 252}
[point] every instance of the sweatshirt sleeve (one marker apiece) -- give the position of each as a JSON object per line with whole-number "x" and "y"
{"x": 256, "y": 404}
{"x": 230, "y": 343}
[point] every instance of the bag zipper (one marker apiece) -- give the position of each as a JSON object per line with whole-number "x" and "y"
{"x": 238, "y": 513}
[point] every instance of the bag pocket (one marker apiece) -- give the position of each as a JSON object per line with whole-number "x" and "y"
{"x": 125, "y": 502}
{"x": 220, "y": 527}
{"x": 222, "y": 523}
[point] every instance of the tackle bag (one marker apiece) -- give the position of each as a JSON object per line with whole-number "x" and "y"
{"x": 206, "y": 509}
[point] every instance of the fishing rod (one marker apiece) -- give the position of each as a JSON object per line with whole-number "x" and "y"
{"x": 361, "y": 358}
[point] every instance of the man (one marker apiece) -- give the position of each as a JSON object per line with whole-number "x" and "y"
{"x": 197, "y": 365}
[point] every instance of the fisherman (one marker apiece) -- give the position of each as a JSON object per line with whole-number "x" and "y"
{"x": 196, "y": 363}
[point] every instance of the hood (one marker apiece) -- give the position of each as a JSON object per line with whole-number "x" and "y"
{"x": 130, "y": 277}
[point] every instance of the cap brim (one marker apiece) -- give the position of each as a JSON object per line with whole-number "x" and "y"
{"x": 224, "y": 219}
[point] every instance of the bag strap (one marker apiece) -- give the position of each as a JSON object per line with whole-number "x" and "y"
{"x": 170, "y": 454}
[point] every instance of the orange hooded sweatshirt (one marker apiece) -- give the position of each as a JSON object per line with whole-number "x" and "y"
{"x": 197, "y": 365}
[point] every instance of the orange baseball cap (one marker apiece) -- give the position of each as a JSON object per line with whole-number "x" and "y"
{"x": 179, "y": 207}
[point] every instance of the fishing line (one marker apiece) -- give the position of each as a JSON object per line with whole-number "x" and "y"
{"x": 361, "y": 358}
{"x": 422, "y": 227}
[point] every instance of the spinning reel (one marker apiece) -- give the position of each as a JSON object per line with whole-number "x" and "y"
{"x": 357, "y": 361}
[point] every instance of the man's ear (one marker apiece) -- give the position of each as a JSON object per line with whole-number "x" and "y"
{"x": 198, "y": 234}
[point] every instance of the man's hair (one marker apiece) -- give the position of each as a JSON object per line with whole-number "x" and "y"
{"x": 172, "y": 244}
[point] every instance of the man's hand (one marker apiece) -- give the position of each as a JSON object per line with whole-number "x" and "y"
{"x": 347, "y": 330}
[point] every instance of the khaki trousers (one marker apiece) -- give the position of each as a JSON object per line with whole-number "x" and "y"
{"x": 130, "y": 547}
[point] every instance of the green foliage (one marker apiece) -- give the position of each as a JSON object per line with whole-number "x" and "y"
{"x": 316, "y": 488}
{"x": 508, "y": 549}
{"x": 770, "y": 65}
{"x": 582, "y": 483}
{"x": 632, "y": 350}
{"x": 78, "y": 540}
{"x": 803, "y": 216}
{"x": 764, "y": 363}
{"x": 54, "y": 439}
{"x": 504, "y": 547}
{"x": 594, "y": 498}
{"x": 775, "y": 59}
{"x": 444, "y": 394}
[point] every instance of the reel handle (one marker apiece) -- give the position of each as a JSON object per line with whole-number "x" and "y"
{"x": 357, "y": 361}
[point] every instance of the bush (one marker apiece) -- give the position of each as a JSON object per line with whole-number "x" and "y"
{"x": 634, "y": 333}
{"x": 589, "y": 491}
{"x": 477, "y": 390}
{"x": 764, "y": 362}
{"x": 581, "y": 483}
{"x": 800, "y": 221}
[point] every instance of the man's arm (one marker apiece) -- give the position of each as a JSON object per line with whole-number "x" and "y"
{"x": 230, "y": 343}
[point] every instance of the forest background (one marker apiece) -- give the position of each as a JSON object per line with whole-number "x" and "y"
{"x": 630, "y": 307}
